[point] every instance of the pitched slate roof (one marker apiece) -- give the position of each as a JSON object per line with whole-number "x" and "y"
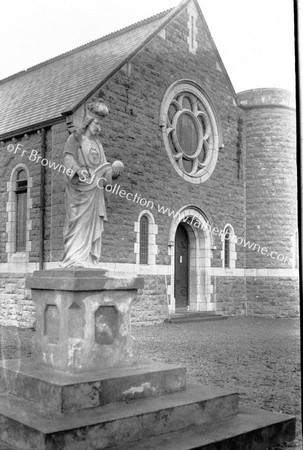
{"x": 44, "y": 92}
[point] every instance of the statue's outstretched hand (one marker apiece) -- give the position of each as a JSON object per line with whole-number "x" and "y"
{"x": 117, "y": 168}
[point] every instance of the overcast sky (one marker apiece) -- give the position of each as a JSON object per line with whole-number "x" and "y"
{"x": 254, "y": 37}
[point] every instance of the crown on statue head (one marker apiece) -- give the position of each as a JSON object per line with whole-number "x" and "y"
{"x": 97, "y": 109}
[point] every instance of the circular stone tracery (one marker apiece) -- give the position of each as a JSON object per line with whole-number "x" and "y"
{"x": 190, "y": 131}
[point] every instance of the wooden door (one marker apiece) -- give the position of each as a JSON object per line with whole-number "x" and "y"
{"x": 181, "y": 267}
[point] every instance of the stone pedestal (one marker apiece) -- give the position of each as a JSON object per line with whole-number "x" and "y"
{"x": 83, "y": 318}
{"x": 84, "y": 389}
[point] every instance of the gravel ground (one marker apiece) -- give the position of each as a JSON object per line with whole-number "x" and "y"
{"x": 258, "y": 357}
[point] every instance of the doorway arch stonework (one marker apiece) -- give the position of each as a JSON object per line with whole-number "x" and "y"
{"x": 181, "y": 266}
{"x": 200, "y": 243}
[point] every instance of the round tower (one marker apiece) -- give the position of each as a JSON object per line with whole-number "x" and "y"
{"x": 271, "y": 199}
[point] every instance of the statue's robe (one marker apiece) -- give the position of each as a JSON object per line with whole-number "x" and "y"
{"x": 84, "y": 202}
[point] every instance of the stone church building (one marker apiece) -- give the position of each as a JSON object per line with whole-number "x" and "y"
{"x": 206, "y": 208}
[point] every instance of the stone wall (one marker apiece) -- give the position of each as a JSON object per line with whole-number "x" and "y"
{"x": 54, "y": 195}
{"x": 152, "y": 306}
{"x": 16, "y": 306}
{"x": 230, "y": 295}
{"x": 274, "y": 297}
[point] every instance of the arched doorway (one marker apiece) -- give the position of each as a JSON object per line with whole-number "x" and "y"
{"x": 181, "y": 268}
{"x": 190, "y": 239}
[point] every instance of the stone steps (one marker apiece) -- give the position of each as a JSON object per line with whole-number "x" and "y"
{"x": 144, "y": 406}
{"x": 198, "y": 417}
{"x": 195, "y": 316}
{"x": 64, "y": 392}
{"x": 30, "y": 427}
{"x": 250, "y": 429}
{"x": 149, "y": 424}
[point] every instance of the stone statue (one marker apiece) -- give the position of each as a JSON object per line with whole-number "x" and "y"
{"x": 85, "y": 196}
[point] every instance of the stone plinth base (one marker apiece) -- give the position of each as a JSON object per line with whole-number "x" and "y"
{"x": 200, "y": 417}
{"x": 83, "y": 318}
{"x": 84, "y": 389}
{"x": 63, "y": 392}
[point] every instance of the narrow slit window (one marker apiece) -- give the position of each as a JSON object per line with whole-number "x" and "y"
{"x": 144, "y": 240}
{"x": 21, "y": 210}
{"x": 227, "y": 238}
{"x": 192, "y": 32}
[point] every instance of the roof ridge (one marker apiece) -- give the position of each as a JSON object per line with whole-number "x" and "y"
{"x": 89, "y": 44}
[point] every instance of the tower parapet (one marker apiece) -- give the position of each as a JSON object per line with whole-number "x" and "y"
{"x": 266, "y": 97}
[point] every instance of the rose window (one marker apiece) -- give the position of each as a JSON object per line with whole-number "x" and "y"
{"x": 190, "y": 131}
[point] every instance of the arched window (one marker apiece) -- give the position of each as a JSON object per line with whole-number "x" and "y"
{"x": 144, "y": 225}
{"x": 227, "y": 236}
{"x": 145, "y": 247}
{"x": 21, "y": 211}
{"x": 18, "y": 206}
{"x": 228, "y": 254}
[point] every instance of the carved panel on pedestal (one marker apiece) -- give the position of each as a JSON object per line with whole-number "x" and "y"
{"x": 75, "y": 321}
{"x": 52, "y": 323}
{"x": 106, "y": 325}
